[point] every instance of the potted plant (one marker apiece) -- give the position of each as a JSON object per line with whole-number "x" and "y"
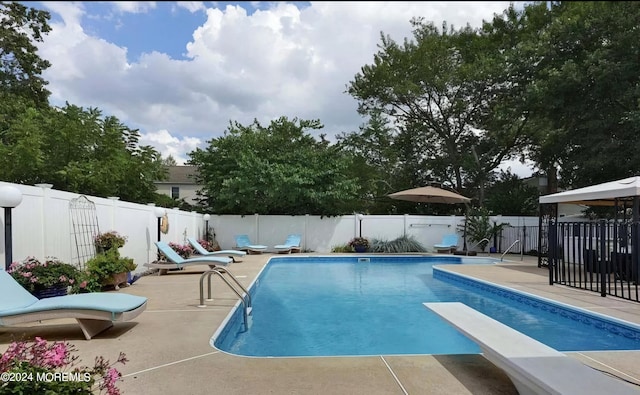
{"x": 359, "y": 244}
{"x": 111, "y": 240}
{"x": 51, "y": 277}
{"x": 108, "y": 269}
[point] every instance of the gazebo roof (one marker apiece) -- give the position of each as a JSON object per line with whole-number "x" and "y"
{"x": 605, "y": 194}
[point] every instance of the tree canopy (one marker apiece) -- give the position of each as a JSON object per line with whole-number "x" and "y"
{"x": 75, "y": 149}
{"x": 277, "y": 169}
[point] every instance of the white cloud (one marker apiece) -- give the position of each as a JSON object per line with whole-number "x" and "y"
{"x": 281, "y": 61}
{"x": 167, "y": 144}
{"x": 192, "y": 6}
{"x": 134, "y": 7}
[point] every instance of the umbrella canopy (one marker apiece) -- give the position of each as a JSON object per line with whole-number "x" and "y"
{"x": 429, "y": 195}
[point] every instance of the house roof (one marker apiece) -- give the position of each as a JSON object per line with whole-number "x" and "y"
{"x": 604, "y": 194}
{"x": 180, "y": 175}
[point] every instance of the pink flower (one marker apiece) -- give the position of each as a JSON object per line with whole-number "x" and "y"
{"x": 83, "y": 284}
{"x": 56, "y": 356}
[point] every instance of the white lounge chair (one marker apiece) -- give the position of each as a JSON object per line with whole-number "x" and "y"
{"x": 292, "y": 244}
{"x": 178, "y": 262}
{"x": 448, "y": 244}
{"x": 243, "y": 243}
{"x": 95, "y": 312}
{"x": 200, "y": 250}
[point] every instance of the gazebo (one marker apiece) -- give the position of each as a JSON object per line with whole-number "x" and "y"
{"x": 600, "y": 255}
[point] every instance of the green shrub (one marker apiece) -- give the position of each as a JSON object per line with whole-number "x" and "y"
{"x": 399, "y": 245}
{"x": 342, "y": 248}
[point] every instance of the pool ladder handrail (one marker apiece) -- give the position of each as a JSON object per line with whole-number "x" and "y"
{"x": 507, "y": 250}
{"x": 478, "y": 243}
{"x": 244, "y": 296}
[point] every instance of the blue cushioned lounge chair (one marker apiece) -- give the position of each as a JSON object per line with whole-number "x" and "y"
{"x": 200, "y": 250}
{"x": 292, "y": 244}
{"x": 449, "y": 242}
{"x": 243, "y": 243}
{"x": 95, "y": 312}
{"x": 175, "y": 261}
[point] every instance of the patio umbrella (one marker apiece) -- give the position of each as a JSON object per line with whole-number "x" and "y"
{"x": 429, "y": 195}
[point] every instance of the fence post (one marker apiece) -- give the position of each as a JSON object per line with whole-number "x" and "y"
{"x": 43, "y": 211}
{"x": 603, "y": 256}
{"x": 551, "y": 253}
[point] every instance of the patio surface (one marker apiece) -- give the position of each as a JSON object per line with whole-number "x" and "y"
{"x": 169, "y": 352}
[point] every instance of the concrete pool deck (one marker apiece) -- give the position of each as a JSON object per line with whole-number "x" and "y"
{"x": 169, "y": 352}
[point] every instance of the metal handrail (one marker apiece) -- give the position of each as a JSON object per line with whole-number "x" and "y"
{"x": 246, "y": 293}
{"x": 507, "y": 250}
{"x": 244, "y": 299}
{"x": 478, "y": 243}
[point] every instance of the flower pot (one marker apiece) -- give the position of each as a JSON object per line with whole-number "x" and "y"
{"x": 360, "y": 248}
{"x": 57, "y": 290}
{"x": 115, "y": 280}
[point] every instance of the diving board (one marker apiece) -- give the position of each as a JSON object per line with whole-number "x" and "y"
{"x": 533, "y": 367}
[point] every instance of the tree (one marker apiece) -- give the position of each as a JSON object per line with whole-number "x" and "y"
{"x": 442, "y": 89}
{"x": 375, "y": 163}
{"x": 279, "y": 169}
{"x": 75, "y": 149}
{"x": 20, "y": 65}
{"x": 586, "y": 90}
{"x": 510, "y": 195}
{"x": 169, "y": 161}
{"x": 80, "y": 151}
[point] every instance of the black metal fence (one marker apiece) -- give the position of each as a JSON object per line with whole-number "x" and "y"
{"x": 596, "y": 256}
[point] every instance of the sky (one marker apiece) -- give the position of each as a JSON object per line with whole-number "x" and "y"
{"x": 180, "y": 72}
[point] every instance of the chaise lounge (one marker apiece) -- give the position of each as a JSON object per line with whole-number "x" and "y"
{"x": 178, "y": 262}
{"x": 200, "y": 250}
{"x": 95, "y": 312}
{"x": 243, "y": 243}
{"x": 449, "y": 243}
{"x": 292, "y": 244}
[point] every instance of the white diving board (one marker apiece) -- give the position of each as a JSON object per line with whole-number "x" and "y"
{"x": 533, "y": 367}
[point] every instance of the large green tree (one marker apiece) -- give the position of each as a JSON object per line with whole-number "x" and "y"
{"x": 442, "y": 90}
{"x": 20, "y": 66}
{"x": 587, "y": 91}
{"x": 89, "y": 153}
{"x": 277, "y": 169}
{"x": 75, "y": 149}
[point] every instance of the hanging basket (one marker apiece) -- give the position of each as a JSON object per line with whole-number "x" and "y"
{"x": 58, "y": 290}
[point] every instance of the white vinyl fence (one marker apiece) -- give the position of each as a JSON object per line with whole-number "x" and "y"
{"x": 42, "y": 227}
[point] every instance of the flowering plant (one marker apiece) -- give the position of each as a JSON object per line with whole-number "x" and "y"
{"x": 109, "y": 240}
{"x": 209, "y": 245}
{"x": 35, "y": 275}
{"x": 184, "y": 251}
{"x": 41, "y": 368}
{"x": 359, "y": 241}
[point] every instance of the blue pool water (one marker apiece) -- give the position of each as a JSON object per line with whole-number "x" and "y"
{"x": 327, "y": 306}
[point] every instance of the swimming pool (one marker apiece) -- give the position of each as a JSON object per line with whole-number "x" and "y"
{"x": 332, "y": 306}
